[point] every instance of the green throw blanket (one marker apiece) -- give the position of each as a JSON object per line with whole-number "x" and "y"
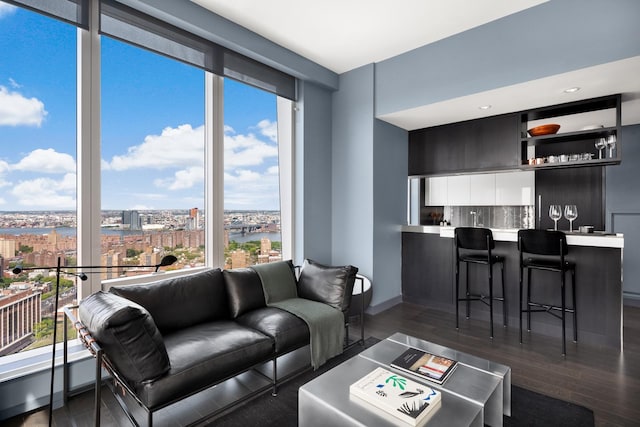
{"x": 326, "y": 324}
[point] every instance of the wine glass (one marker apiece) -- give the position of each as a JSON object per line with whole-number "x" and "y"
{"x": 571, "y": 213}
{"x": 555, "y": 213}
{"x": 611, "y": 144}
{"x": 600, "y": 144}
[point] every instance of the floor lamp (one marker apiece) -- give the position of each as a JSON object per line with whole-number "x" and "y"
{"x": 164, "y": 262}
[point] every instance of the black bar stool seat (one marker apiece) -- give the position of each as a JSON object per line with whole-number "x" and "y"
{"x": 474, "y": 245}
{"x": 546, "y": 250}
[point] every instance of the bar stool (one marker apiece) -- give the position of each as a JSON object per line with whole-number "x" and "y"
{"x": 474, "y": 246}
{"x": 551, "y": 248}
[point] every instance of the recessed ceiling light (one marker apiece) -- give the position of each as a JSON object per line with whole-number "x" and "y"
{"x": 572, "y": 89}
{"x": 484, "y": 107}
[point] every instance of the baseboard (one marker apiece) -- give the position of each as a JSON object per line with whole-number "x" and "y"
{"x": 385, "y": 305}
{"x": 632, "y": 300}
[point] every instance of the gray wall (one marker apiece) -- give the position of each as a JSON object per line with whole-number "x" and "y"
{"x": 623, "y": 208}
{"x": 389, "y": 211}
{"x": 554, "y": 37}
{"x": 369, "y": 187}
{"x": 352, "y": 178}
{"x": 313, "y": 171}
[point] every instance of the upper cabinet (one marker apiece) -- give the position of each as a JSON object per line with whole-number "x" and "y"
{"x": 503, "y": 142}
{"x": 589, "y": 134}
{"x": 470, "y": 146}
{"x": 515, "y": 188}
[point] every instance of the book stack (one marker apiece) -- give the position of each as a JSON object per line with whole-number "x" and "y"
{"x": 397, "y": 396}
{"x": 428, "y": 366}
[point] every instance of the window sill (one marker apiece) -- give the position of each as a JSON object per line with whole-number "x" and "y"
{"x": 19, "y": 365}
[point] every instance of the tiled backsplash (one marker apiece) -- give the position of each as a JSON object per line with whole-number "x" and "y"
{"x": 491, "y": 216}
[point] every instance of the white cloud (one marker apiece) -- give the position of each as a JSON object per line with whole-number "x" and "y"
{"x": 17, "y": 110}
{"x": 182, "y": 179}
{"x": 46, "y": 161}
{"x": 246, "y": 150}
{"x": 6, "y": 9}
{"x": 249, "y": 189}
{"x": 14, "y": 84}
{"x": 269, "y": 129}
{"x": 55, "y": 194}
{"x": 177, "y": 147}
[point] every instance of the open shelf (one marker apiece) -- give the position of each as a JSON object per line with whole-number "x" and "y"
{"x": 573, "y": 141}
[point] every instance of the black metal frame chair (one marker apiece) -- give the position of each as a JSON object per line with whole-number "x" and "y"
{"x": 474, "y": 245}
{"x": 550, "y": 248}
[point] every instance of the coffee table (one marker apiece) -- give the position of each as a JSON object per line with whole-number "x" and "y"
{"x": 477, "y": 393}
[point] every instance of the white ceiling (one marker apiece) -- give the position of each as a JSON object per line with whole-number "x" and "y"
{"x": 352, "y": 37}
{"x": 345, "y": 34}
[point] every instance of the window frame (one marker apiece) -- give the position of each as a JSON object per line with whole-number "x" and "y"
{"x": 88, "y": 161}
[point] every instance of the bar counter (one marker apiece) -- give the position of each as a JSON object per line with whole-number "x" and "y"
{"x": 428, "y": 279}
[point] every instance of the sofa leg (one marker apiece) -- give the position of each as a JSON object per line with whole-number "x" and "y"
{"x": 274, "y": 392}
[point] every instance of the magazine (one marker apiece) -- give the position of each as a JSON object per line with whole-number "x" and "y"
{"x": 430, "y": 366}
{"x": 396, "y": 395}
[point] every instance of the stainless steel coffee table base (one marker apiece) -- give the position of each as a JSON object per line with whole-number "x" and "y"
{"x": 478, "y": 392}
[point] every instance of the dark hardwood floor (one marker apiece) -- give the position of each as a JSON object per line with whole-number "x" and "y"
{"x": 602, "y": 379}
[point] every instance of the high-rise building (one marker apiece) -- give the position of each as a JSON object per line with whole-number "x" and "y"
{"x": 239, "y": 259}
{"x": 7, "y": 248}
{"x": 19, "y": 311}
{"x": 131, "y": 220}
{"x": 194, "y": 221}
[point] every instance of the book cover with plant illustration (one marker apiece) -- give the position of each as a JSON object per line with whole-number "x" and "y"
{"x": 396, "y": 395}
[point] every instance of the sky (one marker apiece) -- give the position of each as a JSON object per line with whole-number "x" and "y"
{"x": 152, "y": 134}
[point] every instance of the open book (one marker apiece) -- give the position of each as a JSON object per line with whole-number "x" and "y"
{"x": 430, "y": 366}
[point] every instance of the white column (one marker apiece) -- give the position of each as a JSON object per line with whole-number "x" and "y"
{"x": 214, "y": 170}
{"x": 88, "y": 150}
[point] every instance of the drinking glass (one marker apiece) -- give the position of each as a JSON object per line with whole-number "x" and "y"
{"x": 555, "y": 213}
{"x": 571, "y": 213}
{"x": 611, "y": 144}
{"x": 600, "y": 144}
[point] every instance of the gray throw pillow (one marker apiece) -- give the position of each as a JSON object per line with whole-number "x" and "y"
{"x": 331, "y": 285}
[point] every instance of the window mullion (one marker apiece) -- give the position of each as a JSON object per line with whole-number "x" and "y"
{"x": 88, "y": 149}
{"x": 214, "y": 169}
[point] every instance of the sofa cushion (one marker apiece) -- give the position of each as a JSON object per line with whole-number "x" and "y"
{"x": 278, "y": 280}
{"x": 182, "y": 301}
{"x": 128, "y": 335}
{"x": 287, "y": 330}
{"x": 244, "y": 289}
{"x": 327, "y": 284}
{"x": 203, "y": 355}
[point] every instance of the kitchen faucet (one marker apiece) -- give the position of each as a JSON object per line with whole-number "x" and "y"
{"x": 475, "y": 218}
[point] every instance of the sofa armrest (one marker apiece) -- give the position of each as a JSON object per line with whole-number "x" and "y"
{"x": 127, "y": 334}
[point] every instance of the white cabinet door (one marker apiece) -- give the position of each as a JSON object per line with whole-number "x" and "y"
{"x": 458, "y": 190}
{"x": 436, "y": 191}
{"x": 515, "y": 188}
{"x": 482, "y": 189}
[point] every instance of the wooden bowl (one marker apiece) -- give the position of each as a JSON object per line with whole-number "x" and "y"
{"x": 549, "y": 129}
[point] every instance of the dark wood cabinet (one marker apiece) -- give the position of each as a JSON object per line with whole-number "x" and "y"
{"x": 427, "y": 270}
{"x": 583, "y": 187}
{"x": 471, "y": 146}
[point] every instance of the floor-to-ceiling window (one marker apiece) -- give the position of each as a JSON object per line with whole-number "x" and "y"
{"x": 37, "y": 172}
{"x": 251, "y": 188}
{"x": 155, "y": 155}
{"x": 152, "y": 122}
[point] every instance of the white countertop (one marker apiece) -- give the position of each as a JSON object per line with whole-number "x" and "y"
{"x": 511, "y": 235}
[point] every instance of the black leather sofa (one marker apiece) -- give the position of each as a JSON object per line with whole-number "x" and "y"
{"x": 167, "y": 340}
